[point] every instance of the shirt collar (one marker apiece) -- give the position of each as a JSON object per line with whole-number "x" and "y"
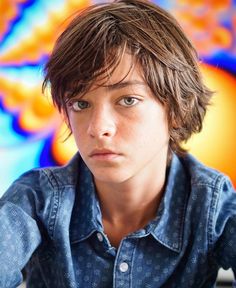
{"x": 86, "y": 215}
{"x": 169, "y": 225}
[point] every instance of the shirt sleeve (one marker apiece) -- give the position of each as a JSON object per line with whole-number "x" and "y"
{"x": 19, "y": 231}
{"x": 224, "y": 224}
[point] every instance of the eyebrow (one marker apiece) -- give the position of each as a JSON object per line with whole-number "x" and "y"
{"x": 116, "y": 86}
{"x": 124, "y": 84}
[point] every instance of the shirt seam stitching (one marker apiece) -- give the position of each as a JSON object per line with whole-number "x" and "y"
{"x": 212, "y": 209}
{"x": 54, "y": 207}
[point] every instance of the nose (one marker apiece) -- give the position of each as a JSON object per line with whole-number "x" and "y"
{"x": 101, "y": 123}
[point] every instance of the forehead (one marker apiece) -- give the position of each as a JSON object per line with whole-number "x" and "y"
{"x": 128, "y": 70}
{"x": 128, "y": 73}
{"x": 128, "y": 77}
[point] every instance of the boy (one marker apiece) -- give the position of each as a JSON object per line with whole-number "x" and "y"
{"x": 132, "y": 208}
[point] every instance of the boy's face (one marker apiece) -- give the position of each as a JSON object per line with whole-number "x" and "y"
{"x": 121, "y": 130}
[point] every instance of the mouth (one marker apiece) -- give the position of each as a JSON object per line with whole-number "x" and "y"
{"x": 103, "y": 154}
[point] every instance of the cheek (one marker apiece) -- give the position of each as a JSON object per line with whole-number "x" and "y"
{"x": 153, "y": 130}
{"x": 76, "y": 123}
{"x": 78, "y": 132}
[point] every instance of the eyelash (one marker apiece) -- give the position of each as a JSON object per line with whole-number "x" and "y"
{"x": 77, "y": 109}
{"x": 136, "y": 100}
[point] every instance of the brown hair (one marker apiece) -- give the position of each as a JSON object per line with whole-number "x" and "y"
{"x": 95, "y": 41}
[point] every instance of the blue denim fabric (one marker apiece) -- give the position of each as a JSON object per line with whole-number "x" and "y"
{"x": 50, "y": 223}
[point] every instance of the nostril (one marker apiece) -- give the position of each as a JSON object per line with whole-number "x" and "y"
{"x": 105, "y": 130}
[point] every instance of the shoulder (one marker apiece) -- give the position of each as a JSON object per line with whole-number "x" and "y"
{"x": 214, "y": 195}
{"x": 61, "y": 176}
{"x": 38, "y": 188}
{"x": 54, "y": 177}
{"x": 201, "y": 175}
{"x": 210, "y": 186}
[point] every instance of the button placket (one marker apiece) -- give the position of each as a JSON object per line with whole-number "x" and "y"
{"x": 122, "y": 269}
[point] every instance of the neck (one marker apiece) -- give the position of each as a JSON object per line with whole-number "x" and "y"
{"x": 134, "y": 202}
{"x": 129, "y": 206}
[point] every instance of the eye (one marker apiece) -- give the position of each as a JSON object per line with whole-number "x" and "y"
{"x": 79, "y": 105}
{"x": 128, "y": 101}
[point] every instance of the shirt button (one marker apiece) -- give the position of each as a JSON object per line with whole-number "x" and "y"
{"x": 100, "y": 237}
{"x": 142, "y": 232}
{"x": 124, "y": 267}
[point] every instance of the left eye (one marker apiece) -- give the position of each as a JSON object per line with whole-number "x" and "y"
{"x": 128, "y": 101}
{"x": 79, "y": 105}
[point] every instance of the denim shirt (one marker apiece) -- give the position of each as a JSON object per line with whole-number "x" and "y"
{"x": 50, "y": 223}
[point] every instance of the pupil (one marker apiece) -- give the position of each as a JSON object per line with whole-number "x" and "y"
{"x": 82, "y": 105}
{"x": 129, "y": 100}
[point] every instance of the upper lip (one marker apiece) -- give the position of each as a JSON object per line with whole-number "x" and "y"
{"x": 101, "y": 151}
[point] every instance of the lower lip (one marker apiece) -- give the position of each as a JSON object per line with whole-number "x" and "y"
{"x": 105, "y": 156}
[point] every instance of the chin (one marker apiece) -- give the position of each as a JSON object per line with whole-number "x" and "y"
{"x": 110, "y": 177}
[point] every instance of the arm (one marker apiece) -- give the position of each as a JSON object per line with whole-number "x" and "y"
{"x": 225, "y": 227}
{"x": 19, "y": 237}
{"x": 19, "y": 232}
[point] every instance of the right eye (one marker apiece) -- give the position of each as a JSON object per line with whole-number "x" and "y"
{"x": 79, "y": 105}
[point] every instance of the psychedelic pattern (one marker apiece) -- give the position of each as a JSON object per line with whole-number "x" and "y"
{"x": 31, "y": 130}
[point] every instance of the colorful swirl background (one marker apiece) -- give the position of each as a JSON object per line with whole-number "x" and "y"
{"x": 31, "y": 130}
